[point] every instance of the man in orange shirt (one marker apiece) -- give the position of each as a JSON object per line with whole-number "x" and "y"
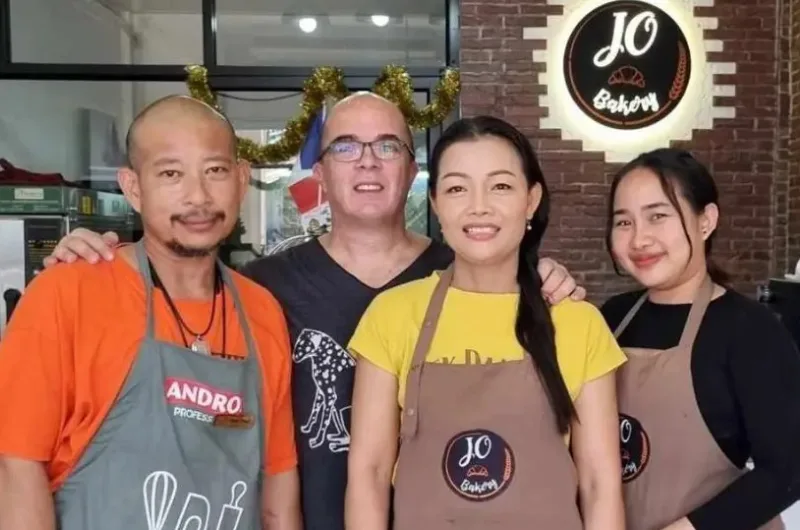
{"x": 153, "y": 391}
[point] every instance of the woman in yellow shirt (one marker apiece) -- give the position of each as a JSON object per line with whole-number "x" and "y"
{"x": 485, "y": 386}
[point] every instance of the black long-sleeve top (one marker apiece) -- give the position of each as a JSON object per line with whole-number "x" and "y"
{"x": 746, "y": 374}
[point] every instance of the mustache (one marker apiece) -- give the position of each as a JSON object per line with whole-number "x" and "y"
{"x": 197, "y": 216}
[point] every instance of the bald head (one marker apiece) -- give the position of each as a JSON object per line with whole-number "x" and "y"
{"x": 364, "y": 104}
{"x": 367, "y": 161}
{"x": 184, "y": 178}
{"x": 173, "y": 110}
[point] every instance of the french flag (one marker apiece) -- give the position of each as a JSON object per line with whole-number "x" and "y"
{"x": 305, "y": 190}
{"x": 312, "y": 145}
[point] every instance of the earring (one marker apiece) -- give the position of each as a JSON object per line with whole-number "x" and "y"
{"x": 528, "y": 225}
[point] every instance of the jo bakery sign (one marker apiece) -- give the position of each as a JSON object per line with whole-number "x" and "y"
{"x": 626, "y": 76}
{"x": 639, "y": 76}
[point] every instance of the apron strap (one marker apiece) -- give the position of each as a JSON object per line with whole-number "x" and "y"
{"x": 251, "y": 360}
{"x": 414, "y": 380}
{"x": 629, "y": 317}
{"x": 144, "y": 271}
{"x": 250, "y": 342}
{"x": 696, "y": 313}
{"x": 693, "y": 322}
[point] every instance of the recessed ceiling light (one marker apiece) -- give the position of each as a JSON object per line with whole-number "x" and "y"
{"x": 307, "y": 24}
{"x": 380, "y": 20}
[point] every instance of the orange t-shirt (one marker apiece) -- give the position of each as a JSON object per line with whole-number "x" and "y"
{"x": 74, "y": 336}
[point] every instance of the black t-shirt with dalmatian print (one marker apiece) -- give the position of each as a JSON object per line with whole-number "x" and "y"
{"x": 323, "y": 305}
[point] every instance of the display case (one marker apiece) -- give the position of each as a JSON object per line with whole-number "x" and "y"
{"x": 34, "y": 218}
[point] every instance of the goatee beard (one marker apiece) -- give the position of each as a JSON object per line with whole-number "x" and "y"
{"x": 183, "y": 251}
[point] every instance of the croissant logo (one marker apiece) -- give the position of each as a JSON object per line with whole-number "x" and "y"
{"x": 626, "y": 75}
{"x": 478, "y": 465}
{"x": 627, "y": 64}
{"x": 477, "y": 471}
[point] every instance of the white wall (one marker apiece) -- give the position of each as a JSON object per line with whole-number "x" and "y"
{"x": 166, "y": 38}
{"x": 40, "y": 121}
{"x": 66, "y": 31}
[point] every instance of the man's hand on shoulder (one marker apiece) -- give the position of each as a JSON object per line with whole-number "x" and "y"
{"x": 558, "y": 283}
{"x": 83, "y": 244}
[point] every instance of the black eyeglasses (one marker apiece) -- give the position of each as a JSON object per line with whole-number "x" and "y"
{"x": 352, "y": 150}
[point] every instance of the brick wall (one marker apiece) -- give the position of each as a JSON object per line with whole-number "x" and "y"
{"x": 793, "y": 143}
{"x": 749, "y": 155}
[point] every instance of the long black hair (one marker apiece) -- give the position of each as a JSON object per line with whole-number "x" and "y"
{"x": 678, "y": 172}
{"x": 534, "y": 325}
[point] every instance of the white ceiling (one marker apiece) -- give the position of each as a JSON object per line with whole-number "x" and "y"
{"x": 280, "y": 7}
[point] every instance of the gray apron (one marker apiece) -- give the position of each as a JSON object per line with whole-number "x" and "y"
{"x": 160, "y": 461}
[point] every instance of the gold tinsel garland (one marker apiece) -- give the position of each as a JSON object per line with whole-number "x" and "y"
{"x": 326, "y": 83}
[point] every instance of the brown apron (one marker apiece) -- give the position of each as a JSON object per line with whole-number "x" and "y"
{"x": 671, "y": 463}
{"x": 479, "y": 447}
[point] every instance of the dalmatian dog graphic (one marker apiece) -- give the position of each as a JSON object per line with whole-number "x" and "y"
{"x": 328, "y": 362}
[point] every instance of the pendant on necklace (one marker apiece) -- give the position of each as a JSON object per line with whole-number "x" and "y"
{"x": 200, "y": 346}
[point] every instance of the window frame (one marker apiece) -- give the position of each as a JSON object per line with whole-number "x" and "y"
{"x": 279, "y": 77}
{"x": 231, "y": 78}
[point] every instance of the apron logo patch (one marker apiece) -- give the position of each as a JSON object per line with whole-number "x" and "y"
{"x": 478, "y": 465}
{"x": 634, "y": 447}
{"x": 197, "y": 401}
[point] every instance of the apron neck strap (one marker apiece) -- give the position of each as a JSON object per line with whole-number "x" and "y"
{"x": 629, "y": 317}
{"x": 696, "y": 313}
{"x": 227, "y": 281}
{"x": 414, "y": 381}
{"x": 144, "y": 271}
{"x": 690, "y": 330}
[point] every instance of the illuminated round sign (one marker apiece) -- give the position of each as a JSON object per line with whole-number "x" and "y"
{"x": 627, "y": 64}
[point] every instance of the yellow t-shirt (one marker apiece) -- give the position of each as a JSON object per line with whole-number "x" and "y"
{"x": 479, "y": 327}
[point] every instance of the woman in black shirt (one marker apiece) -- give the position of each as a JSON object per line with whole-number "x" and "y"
{"x": 712, "y": 379}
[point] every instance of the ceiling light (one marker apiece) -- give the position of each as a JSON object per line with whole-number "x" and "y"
{"x": 307, "y": 24}
{"x": 380, "y": 20}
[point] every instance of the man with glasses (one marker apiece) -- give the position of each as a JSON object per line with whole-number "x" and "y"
{"x": 366, "y": 168}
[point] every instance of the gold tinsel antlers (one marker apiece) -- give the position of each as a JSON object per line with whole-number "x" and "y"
{"x": 327, "y": 83}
